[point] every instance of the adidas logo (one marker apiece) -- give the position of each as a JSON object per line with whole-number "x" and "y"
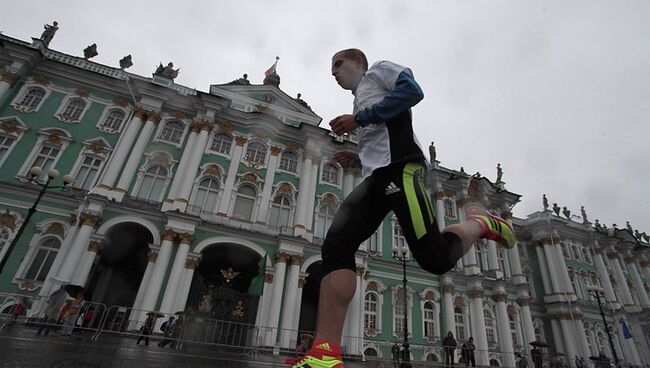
{"x": 392, "y": 188}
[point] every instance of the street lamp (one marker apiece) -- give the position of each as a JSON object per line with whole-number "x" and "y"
{"x": 399, "y": 253}
{"x": 597, "y": 290}
{"x": 35, "y": 172}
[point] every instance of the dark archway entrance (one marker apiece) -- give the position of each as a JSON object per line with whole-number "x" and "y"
{"x": 118, "y": 269}
{"x": 310, "y": 296}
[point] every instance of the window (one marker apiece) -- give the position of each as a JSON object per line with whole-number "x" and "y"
{"x": 32, "y": 98}
{"x": 576, "y": 253}
{"x": 87, "y": 173}
{"x": 431, "y": 358}
{"x": 73, "y": 109}
{"x": 6, "y": 142}
{"x": 572, "y": 277}
{"x": 513, "y": 328}
{"x": 113, "y": 120}
{"x": 480, "y": 256}
{"x": 590, "y": 341}
{"x": 530, "y": 282}
{"x": 330, "y": 174}
{"x": 244, "y": 203}
{"x": 221, "y": 143}
{"x": 205, "y": 198}
{"x": 449, "y": 208}
{"x": 429, "y": 318}
{"x": 43, "y": 259}
{"x": 280, "y": 211}
{"x": 324, "y": 219}
{"x": 398, "y": 313}
{"x": 373, "y": 244}
{"x": 44, "y": 159}
{"x": 399, "y": 239}
{"x": 603, "y": 343}
{"x": 370, "y": 311}
{"x": 289, "y": 161}
{"x": 459, "y": 319}
{"x": 153, "y": 183}
{"x": 523, "y": 252}
{"x": 586, "y": 255}
{"x": 172, "y": 132}
{"x": 565, "y": 251}
{"x": 256, "y": 153}
{"x": 538, "y": 327}
{"x": 489, "y": 327}
{"x": 501, "y": 257}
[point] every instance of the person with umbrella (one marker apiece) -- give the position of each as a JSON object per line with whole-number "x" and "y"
{"x": 177, "y": 330}
{"x": 147, "y": 328}
{"x": 70, "y": 319}
{"x": 536, "y": 355}
{"x": 54, "y": 305}
{"x": 167, "y": 327}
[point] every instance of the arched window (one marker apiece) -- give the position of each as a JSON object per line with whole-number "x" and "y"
{"x": 590, "y": 341}
{"x": 503, "y": 265}
{"x": 431, "y": 357}
{"x": 153, "y": 183}
{"x": 459, "y": 318}
{"x": 45, "y": 158}
{"x": 399, "y": 239}
{"x": 113, "y": 119}
{"x": 489, "y": 327}
{"x": 370, "y": 311}
{"x": 449, "y": 208}
{"x": 32, "y": 98}
{"x": 221, "y": 143}
{"x": 513, "y": 328}
{"x": 172, "y": 132}
{"x": 324, "y": 219}
{"x": 289, "y": 161}
{"x": 205, "y": 198}
{"x": 73, "y": 109}
{"x": 398, "y": 312}
{"x": 603, "y": 343}
{"x": 370, "y": 352}
{"x": 586, "y": 255}
{"x": 576, "y": 253}
{"x": 429, "y": 319}
{"x": 43, "y": 258}
{"x": 6, "y": 142}
{"x": 280, "y": 211}
{"x": 244, "y": 203}
{"x": 256, "y": 152}
{"x": 330, "y": 174}
{"x": 565, "y": 251}
{"x": 87, "y": 172}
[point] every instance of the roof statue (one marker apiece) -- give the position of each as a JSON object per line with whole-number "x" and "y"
{"x": 90, "y": 51}
{"x": 48, "y": 33}
{"x": 597, "y": 224}
{"x": 302, "y": 102}
{"x": 646, "y": 237}
{"x": 271, "y": 76}
{"x": 167, "y": 71}
{"x": 499, "y": 173}
{"x": 243, "y": 81}
{"x": 126, "y": 62}
{"x": 545, "y": 202}
{"x": 637, "y": 234}
{"x": 462, "y": 169}
{"x": 432, "y": 152}
{"x": 566, "y": 213}
{"x": 584, "y": 215}
{"x": 556, "y": 209}
{"x": 629, "y": 227}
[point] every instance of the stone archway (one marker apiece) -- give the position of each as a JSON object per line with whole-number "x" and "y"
{"x": 119, "y": 267}
{"x": 310, "y": 297}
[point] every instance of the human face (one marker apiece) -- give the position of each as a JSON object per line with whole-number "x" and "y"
{"x": 346, "y": 71}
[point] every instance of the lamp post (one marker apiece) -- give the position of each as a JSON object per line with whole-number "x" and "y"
{"x": 597, "y": 291}
{"x": 35, "y": 172}
{"x": 399, "y": 253}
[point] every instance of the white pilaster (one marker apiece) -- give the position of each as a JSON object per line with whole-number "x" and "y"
{"x": 621, "y": 282}
{"x": 289, "y": 304}
{"x": 604, "y": 277}
{"x": 303, "y": 196}
{"x": 224, "y": 203}
{"x": 478, "y": 326}
{"x": 564, "y": 272}
{"x": 276, "y": 298}
{"x": 569, "y": 339}
{"x": 183, "y": 193}
{"x": 86, "y": 262}
{"x": 348, "y": 181}
{"x": 356, "y": 311}
{"x": 582, "y": 339}
{"x": 553, "y": 272}
{"x": 440, "y": 210}
{"x": 312, "y": 195}
{"x": 448, "y": 303}
{"x": 263, "y": 309}
{"x": 137, "y": 304}
{"x": 268, "y": 185}
{"x": 638, "y": 284}
{"x": 296, "y": 314}
{"x": 493, "y": 260}
{"x": 6, "y": 82}
{"x": 122, "y": 150}
{"x": 186, "y": 281}
{"x": 181, "y": 170}
{"x": 157, "y": 276}
{"x": 526, "y": 320}
{"x": 78, "y": 248}
{"x": 503, "y": 327}
{"x": 548, "y": 288}
{"x": 167, "y": 304}
{"x": 132, "y": 163}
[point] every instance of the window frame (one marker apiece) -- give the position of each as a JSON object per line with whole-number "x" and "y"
{"x": 287, "y": 169}
{"x": 141, "y": 178}
{"x": 213, "y": 136}
{"x": 338, "y": 169}
{"x": 47, "y": 137}
{"x": 254, "y": 197}
{"x": 192, "y": 206}
{"x": 105, "y": 115}
{"x": 16, "y": 103}
{"x": 64, "y": 107}
{"x": 252, "y": 147}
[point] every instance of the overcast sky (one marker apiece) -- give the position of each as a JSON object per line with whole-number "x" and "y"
{"x": 558, "y": 92}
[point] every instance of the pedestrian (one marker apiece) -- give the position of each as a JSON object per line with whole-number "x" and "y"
{"x": 470, "y": 352}
{"x": 521, "y": 361}
{"x": 580, "y": 363}
{"x": 72, "y": 314}
{"x": 54, "y": 305}
{"x": 167, "y": 328}
{"x": 177, "y": 331}
{"x": 536, "y": 355}
{"x": 449, "y": 345}
{"x": 394, "y": 167}
{"x": 395, "y": 353}
{"x": 146, "y": 329}
{"x": 17, "y": 310}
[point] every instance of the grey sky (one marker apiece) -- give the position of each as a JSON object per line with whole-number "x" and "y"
{"x": 556, "y": 91}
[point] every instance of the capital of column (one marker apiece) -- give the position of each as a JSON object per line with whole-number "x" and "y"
{"x": 205, "y": 125}
{"x": 630, "y": 259}
{"x": 360, "y": 271}
{"x": 475, "y": 293}
{"x": 612, "y": 255}
{"x": 90, "y": 219}
{"x": 295, "y": 260}
{"x": 153, "y": 116}
{"x": 500, "y": 297}
{"x": 139, "y": 113}
{"x": 95, "y": 246}
{"x": 524, "y": 301}
{"x": 152, "y": 256}
{"x": 275, "y": 150}
{"x": 448, "y": 288}
{"x": 440, "y": 195}
{"x": 301, "y": 282}
{"x": 281, "y": 257}
{"x": 192, "y": 263}
{"x": 240, "y": 141}
{"x": 9, "y": 77}
{"x": 186, "y": 238}
{"x": 644, "y": 263}
{"x": 268, "y": 278}
{"x": 600, "y": 250}
{"x": 169, "y": 234}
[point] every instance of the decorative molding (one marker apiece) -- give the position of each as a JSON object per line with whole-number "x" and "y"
{"x": 153, "y": 117}
{"x": 240, "y": 141}
{"x": 372, "y": 285}
{"x": 56, "y": 228}
{"x": 475, "y": 293}
{"x": 95, "y": 246}
{"x": 8, "y": 220}
{"x": 226, "y": 127}
{"x": 90, "y": 219}
{"x": 177, "y": 114}
{"x": 268, "y": 278}
{"x": 360, "y": 271}
{"x": 186, "y": 238}
{"x": 286, "y": 189}
{"x": 295, "y": 260}
{"x": 275, "y": 150}
{"x": 41, "y": 79}
{"x": 192, "y": 263}
{"x": 448, "y": 288}
{"x": 9, "y": 77}
{"x": 169, "y": 234}
{"x": 139, "y": 113}
{"x": 213, "y": 170}
{"x": 82, "y": 92}
{"x": 301, "y": 282}
{"x": 500, "y": 297}
{"x": 459, "y": 302}
{"x": 119, "y": 101}
{"x": 281, "y": 257}
{"x": 292, "y": 146}
{"x": 152, "y": 256}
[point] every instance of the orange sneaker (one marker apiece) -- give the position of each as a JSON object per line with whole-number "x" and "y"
{"x": 321, "y": 355}
{"x": 494, "y": 227}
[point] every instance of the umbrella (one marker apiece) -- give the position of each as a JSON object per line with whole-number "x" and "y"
{"x": 540, "y": 344}
{"x": 179, "y": 313}
{"x": 74, "y": 290}
{"x": 155, "y": 314}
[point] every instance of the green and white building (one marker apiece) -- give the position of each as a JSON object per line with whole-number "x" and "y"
{"x": 177, "y": 193}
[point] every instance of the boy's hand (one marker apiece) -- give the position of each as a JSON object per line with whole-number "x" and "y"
{"x": 346, "y": 159}
{"x": 344, "y": 124}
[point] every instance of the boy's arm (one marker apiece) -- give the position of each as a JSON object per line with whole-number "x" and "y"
{"x": 406, "y": 94}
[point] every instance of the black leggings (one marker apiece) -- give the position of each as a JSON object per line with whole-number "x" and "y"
{"x": 399, "y": 188}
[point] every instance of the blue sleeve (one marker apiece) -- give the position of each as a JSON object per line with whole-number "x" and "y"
{"x": 406, "y": 94}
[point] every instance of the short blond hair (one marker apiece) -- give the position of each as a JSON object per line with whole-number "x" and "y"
{"x": 353, "y": 54}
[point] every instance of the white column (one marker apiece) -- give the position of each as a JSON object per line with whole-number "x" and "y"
{"x": 86, "y": 263}
{"x": 174, "y": 280}
{"x": 493, "y": 260}
{"x": 6, "y": 82}
{"x": 582, "y": 339}
{"x": 189, "y": 174}
{"x": 276, "y": 298}
{"x": 569, "y": 339}
{"x": 645, "y": 269}
{"x": 564, "y": 271}
{"x": 186, "y": 282}
{"x": 289, "y": 304}
{"x": 49, "y": 284}
{"x": 182, "y": 165}
{"x": 448, "y": 303}
{"x": 440, "y": 210}
{"x": 621, "y": 282}
{"x": 263, "y": 312}
{"x": 132, "y": 163}
{"x": 553, "y": 272}
{"x": 526, "y": 320}
{"x": 137, "y": 304}
{"x": 268, "y": 185}
{"x": 638, "y": 284}
{"x": 348, "y": 181}
{"x": 354, "y": 330}
{"x": 224, "y": 203}
{"x": 122, "y": 150}
{"x": 312, "y": 195}
{"x": 604, "y": 275}
{"x": 478, "y": 326}
{"x": 548, "y": 288}
{"x": 78, "y": 247}
{"x": 303, "y": 196}
{"x": 503, "y": 327}
{"x": 157, "y": 276}
{"x": 296, "y": 314}
{"x": 627, "y": 345}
